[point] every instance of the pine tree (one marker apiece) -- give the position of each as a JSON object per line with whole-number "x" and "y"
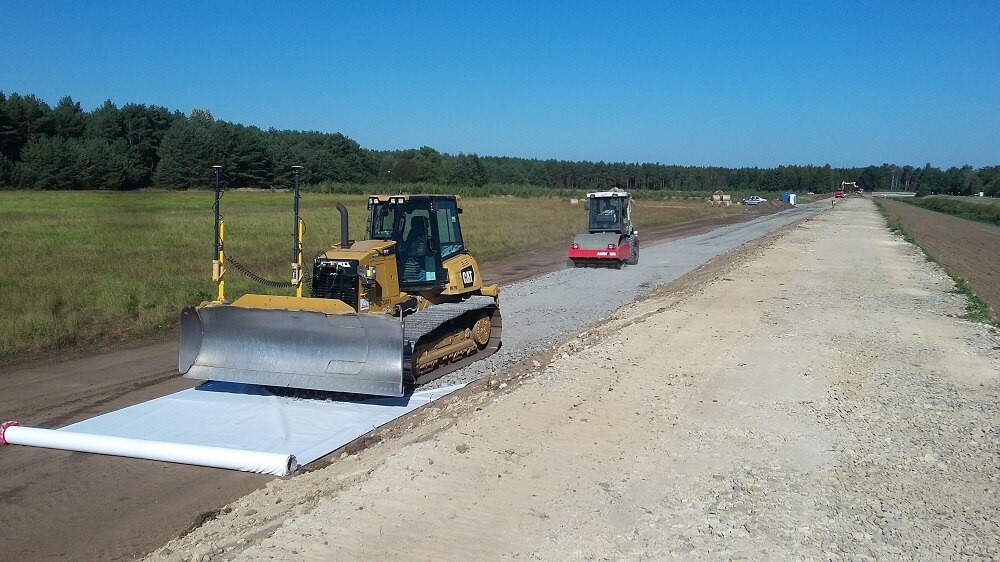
{"x": 68, "y": 119}
{"x": 43, "y": 164}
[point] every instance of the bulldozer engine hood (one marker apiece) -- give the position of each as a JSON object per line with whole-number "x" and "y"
{"x": 360, "y": 251}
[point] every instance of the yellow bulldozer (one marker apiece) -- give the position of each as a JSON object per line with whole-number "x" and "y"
{"x": 403, "y": 306}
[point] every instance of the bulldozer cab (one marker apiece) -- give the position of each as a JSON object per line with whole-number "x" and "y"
{"x": 426, "y": 230}
{"x": 609, "y": 212}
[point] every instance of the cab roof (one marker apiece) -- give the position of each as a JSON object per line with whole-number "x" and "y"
{"x": 407, "y": 197}
{"x": 605, "y": 194}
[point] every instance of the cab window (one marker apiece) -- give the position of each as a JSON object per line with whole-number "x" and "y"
{"x": 605, "y": 213}
{"x": 418, "y": 262}
{"x": 383, "y": 218}
{"x": 448, "y": 230}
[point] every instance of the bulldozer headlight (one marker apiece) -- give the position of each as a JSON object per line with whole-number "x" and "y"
{"x": 397, "y": 200}
{"x": 611, "y": 246}
{"x": 575, "y": 246}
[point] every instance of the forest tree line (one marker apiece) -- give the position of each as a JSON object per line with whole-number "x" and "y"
{"x": 137, "y": 146}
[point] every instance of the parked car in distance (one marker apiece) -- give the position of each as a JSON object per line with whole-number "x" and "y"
{"x": 754, "y": 200}
{"x": 839, "y": 194}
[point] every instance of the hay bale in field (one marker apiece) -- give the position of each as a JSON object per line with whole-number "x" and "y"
{"x": 720, "y": 199}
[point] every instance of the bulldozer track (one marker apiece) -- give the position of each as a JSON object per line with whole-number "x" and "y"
{"x": 427, "y": 324}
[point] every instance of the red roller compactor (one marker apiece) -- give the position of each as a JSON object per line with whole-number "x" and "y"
{"x": 610, "y": 240}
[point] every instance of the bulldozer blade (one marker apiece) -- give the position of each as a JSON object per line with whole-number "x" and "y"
{"x": 358, "y": 353}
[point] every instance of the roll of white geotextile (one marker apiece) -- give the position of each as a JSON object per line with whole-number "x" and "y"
{"x": 278, "y": 464}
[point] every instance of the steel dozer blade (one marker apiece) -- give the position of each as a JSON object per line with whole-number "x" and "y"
{"x": 359, "y": 353}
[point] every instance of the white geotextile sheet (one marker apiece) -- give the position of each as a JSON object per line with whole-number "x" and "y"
{"x": 249, "y": 417}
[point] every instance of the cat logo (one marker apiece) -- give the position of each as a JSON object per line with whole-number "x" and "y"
{"x": 468, "y": 277}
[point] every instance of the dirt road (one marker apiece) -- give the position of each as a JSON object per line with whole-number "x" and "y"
{"x": 57, "y": 504}
{"x": 818, "y": 398}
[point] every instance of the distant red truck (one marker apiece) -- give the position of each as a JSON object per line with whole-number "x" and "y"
{"x": 844, "y": 186}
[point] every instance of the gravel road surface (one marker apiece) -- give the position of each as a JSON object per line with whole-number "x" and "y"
{"x": 543, "y": 310}
{"x": 816, "y": 396}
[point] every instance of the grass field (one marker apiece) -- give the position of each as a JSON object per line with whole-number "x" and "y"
{"x": 983, "y": 209}
{"x": 93, "y": 268}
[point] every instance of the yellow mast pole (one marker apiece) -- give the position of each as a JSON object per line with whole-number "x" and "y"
{"x": 297, "y": 238}
{"x": 219, "y": 263}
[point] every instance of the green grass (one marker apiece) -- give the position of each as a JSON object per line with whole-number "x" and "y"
{"x": 897, "y": 227}
{"x": 976, "y": 310}
{"x": 92, "y": 268}
{"x": 974, "y": 208}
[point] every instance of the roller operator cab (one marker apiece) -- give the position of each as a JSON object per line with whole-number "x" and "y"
{"x": 610, "y": 241}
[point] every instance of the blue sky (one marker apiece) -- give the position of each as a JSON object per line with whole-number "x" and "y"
{"x": 691, "y": 83}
